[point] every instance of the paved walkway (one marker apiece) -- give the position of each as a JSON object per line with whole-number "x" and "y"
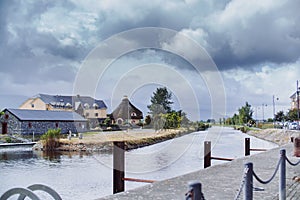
{"x": 223, "y": 181}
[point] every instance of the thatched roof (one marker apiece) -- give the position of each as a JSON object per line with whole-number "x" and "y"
{"x": 127, "y": 109}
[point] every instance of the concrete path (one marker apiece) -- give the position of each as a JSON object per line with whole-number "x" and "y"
{"x": 223, "y": 181}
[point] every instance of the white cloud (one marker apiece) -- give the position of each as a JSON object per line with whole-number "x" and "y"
{"x": 258, "y": 87}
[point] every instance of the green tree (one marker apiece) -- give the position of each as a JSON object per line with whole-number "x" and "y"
{"x": 292, "y": 115}
{"x": 245, "y": 114}
{"x": 147, "y": 120}
{"x": 280, "y": 116}
{"x": 172, "y": 120}
{"x": 184, "y": 120}
{"x": 160, "y": 101}
{"x": 235, "y": 119}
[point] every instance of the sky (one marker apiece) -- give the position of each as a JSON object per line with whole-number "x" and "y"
{"x": 212, "y": 55}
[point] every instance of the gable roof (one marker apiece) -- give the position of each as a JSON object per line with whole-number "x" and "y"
{"x": 45, "y": 115}
{"x": 74, "y": 101}
{"x": 125, "y": 109}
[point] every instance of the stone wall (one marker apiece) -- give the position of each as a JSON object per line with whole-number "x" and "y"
{"x": 15, "y": 126}
{"x": 40, "y": 127}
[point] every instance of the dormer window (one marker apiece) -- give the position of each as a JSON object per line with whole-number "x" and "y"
{"x": 86, "y": 106}
{"x": 133, "y": 114}
{"x": 95, "y": 106}
{"x": 68, "y": 105}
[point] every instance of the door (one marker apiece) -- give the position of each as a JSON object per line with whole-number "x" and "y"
{"x": 4, "y": 127}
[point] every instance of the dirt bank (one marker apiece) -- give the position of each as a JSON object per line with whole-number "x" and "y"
{"x": 102, "y": 141}
{"x": 278, "y": 136}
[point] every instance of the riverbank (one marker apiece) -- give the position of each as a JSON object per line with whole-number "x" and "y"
{"x": 278, "y": 136}
{"x": 136, "y": 138}
{"x": 102, "y": 141}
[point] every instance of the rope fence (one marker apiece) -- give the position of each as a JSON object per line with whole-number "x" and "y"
{"x": 246, "y": 187}
{"x": 280, "y": 167}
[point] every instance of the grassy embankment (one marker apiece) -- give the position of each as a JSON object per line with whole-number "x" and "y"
{"x": 102, "y": 141}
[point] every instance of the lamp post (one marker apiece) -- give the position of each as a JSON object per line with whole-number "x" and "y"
{"x": 297, "y": 92}
{"x": 274, "y": 109}
{"x": 263, "y": 111}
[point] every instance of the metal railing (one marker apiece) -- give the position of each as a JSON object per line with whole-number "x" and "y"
{"x": 29, "y": 192}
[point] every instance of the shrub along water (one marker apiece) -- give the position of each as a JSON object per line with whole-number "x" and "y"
{"x": 50, "y": 139}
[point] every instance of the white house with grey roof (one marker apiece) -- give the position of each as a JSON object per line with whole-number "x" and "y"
{"x": 22, "y": 121}
{"x": 86, "y": 106}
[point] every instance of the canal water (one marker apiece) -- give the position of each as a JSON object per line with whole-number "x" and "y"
{"x": 89, "y": 175}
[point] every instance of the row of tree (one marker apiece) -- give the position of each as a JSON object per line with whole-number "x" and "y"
{"x": 291, "y": 115}
{"x": 244, "y": 116}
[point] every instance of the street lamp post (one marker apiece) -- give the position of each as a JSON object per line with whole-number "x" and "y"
{"x": 274, "y": 109}
{"x": 297, "y": 92}
{"x": 263, "y": 111}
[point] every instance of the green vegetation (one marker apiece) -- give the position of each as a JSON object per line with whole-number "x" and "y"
{"x": 162, "y": 115}
{"x": 201, "y": 126}
{"x": 244, "y": 129}
{"x": 243, "y": 117}
{"x": 8, "y": 140}
{"x": 50, "y": 139}
{"x": 160, "y": 101}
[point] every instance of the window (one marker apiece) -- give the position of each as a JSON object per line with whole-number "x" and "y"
{"x": 96, "y": 114}
{"x": 6, "y": 116}
{"x": 32, "y": 105}
{"x": 133, "y": 114}
{"x": 87, "y": 114}
{"x": 56, "y": 124}
{"x": 29, "y": 125}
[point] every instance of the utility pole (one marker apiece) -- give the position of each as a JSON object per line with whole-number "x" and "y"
{"x": 297, "y": 100}
{"x": 263, "y": 111}
{"x": 274, "y": 109}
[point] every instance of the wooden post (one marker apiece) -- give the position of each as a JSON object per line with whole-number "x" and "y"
{"x": 118, "y": 167}
{"x": 297, "y": 146}
{"x": 247, "y": 146}
{"x": 207, "y": 154}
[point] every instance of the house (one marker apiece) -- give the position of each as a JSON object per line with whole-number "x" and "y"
{"x": 294, "y": 103}
{"x": 22, "y": 121}
{"x": 88, "y": 107}
{"x": 126, "y": 112}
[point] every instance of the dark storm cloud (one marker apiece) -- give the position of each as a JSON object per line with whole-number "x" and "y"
{"x": 47, "y": 36}
{"x": 257, "y": 35}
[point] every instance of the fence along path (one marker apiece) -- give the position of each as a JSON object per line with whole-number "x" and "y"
{"x": 224, "y": 181}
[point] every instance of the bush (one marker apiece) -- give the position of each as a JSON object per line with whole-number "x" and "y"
{"x": 202, "y": 127}
{"x": 8, "y": 140}
{"x": 244, "y": 129}
{"x": 50, "y": 139}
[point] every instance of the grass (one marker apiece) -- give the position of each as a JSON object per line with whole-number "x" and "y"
{"x": 133, "y": 138}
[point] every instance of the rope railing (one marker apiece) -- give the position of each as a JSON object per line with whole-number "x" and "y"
{"x": 272, "y": 177}
{"x": 249, "y": 173}
{"x": 293, "y": 164}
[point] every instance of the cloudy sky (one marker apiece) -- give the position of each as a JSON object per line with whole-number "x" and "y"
{"x": 254, "y": 47}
